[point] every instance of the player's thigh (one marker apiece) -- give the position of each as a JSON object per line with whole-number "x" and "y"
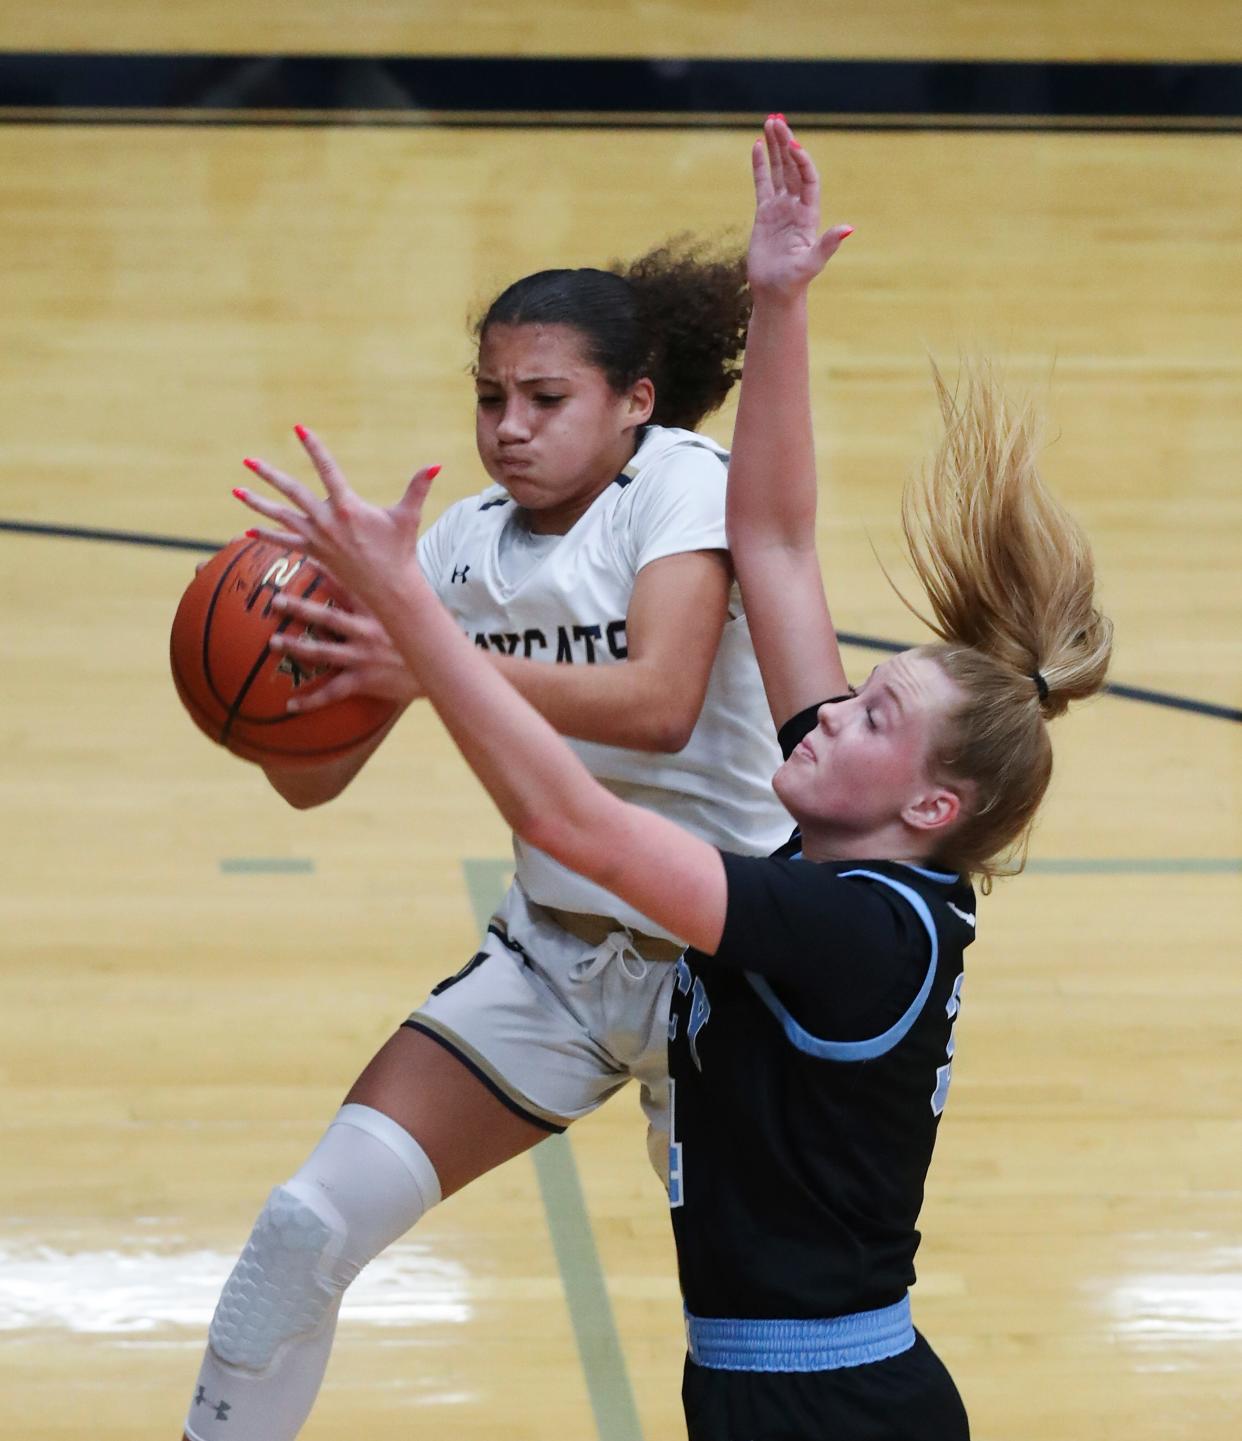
{"x": 464, "y": 1129}
{"x": 500, "y": 1055}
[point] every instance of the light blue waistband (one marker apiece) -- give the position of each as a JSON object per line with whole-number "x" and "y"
{"x": 726, "y": 1344}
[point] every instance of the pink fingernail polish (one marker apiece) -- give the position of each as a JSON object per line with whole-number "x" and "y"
{"x": 779, "y": 116}
{"x": 300, "y": 431}
{"x": 251, "y": 464}
{"x": 795, "y": 144}
{"x": 847, "y": 232}
{"x": 253, "y": 534}
{"x": 433, "y": 471}
{"x": 239, "y": 493}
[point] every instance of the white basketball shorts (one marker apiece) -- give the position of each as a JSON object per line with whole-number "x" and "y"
{"x": 553, "y": 1024}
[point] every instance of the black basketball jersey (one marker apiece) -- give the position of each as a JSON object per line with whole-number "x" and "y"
{"x": 810, "y": 1059}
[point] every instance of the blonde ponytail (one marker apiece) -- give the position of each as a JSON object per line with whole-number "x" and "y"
{"x": 1010, "y": 580}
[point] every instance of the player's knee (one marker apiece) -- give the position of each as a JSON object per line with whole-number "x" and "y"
{"x": 287, "y": 1282}
{"x": 366, "y": 1183}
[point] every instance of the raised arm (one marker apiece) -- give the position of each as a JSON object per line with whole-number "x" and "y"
{"x": 540, "y": 787}
{"x": 772, "y": 484}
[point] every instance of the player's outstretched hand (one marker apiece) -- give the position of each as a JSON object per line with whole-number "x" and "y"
{"x": 366, "y": 547}
{"x": 786, "y": 251}
{"x": 367, "y": 661}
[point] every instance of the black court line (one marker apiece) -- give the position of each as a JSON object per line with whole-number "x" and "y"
{"x": 866, "y": 642}
{"x": 117, "y": 119}
{"x": 38, "y": 87}
{"x": 1125, "y": 692}
{"x": 121, "y": 537}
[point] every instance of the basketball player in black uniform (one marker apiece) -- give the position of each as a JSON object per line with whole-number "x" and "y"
{"x": 810, "y": 1059}
{"x": 812, "y": 1028}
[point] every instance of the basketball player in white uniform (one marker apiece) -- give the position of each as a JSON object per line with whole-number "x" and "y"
{"x": 595, "y": 575}
{"x": 564, "y": 598}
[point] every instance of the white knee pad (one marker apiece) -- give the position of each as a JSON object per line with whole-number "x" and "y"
{"x": 365, "y": 1184}
{"x": 287, "y": 1280}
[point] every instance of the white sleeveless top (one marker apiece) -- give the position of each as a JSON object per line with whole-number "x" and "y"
{"x": 564, "y": 599}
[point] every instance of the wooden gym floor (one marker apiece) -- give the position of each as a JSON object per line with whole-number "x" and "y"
{"x": 194, "y": 973}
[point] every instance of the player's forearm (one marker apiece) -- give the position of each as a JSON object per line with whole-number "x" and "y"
{"x": 622, "y": 704}
{"x": 771, "y": 498}
{"x": 539, "y": 786}
{"x": 306, "y": 788}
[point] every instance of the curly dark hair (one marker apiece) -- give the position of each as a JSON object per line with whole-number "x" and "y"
{"x": 678, "y": 314}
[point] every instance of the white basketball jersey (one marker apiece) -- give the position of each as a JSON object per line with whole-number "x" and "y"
{"x": 567, "y": 601}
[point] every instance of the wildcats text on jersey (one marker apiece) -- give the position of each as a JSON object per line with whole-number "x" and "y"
{"x": 585, "y": 644}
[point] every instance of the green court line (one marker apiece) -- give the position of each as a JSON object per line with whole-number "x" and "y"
{"x": 590, "y": 1310}
{"x": 1136, "y": 866}
{"x": 267, "y": 866}
{"x": 488, "y": 878}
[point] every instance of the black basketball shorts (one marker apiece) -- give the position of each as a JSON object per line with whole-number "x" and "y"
{"x": 910, "y": 1397}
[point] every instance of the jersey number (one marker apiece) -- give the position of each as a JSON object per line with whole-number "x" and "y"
{"x": 944, "y": 1074}
{"x": 674, "y": 1149}
{"x": 700, "y": 1010}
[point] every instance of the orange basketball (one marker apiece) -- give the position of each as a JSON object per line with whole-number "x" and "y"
{"x": 235, "y": 687}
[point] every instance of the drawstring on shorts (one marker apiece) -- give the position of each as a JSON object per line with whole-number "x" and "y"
{"x": 618, "y": 946}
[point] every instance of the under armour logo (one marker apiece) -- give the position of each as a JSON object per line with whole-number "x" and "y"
{"x": 222, "y": 1407}
{"x": 460, "y": 574}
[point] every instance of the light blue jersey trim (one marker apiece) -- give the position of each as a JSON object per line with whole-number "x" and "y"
{"x": 947, "y": 878}
{"x": 725, "y": 1344}
{"x": 878, "y": 1045}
